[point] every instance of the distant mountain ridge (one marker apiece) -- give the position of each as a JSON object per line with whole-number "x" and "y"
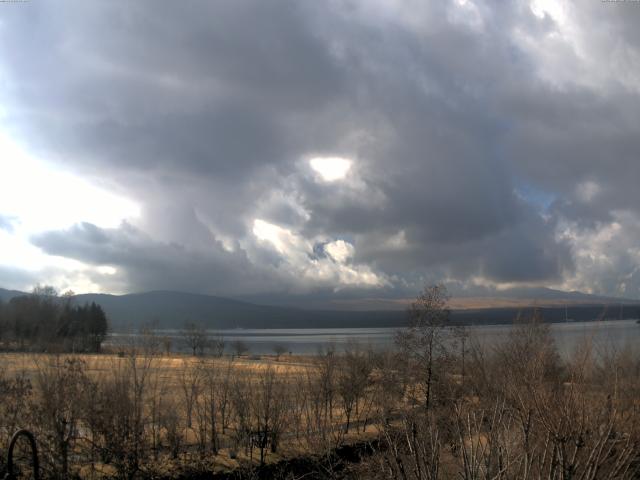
{"x": 6, "y": 295}
{"x": 538, "y": 296}
{"x": 518, "y": 297}
{"x": 170, "y": 309}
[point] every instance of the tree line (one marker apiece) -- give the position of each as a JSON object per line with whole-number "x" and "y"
{"x": 45, "y": 320}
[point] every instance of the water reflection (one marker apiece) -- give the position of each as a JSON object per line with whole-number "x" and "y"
{"x": 604, "y": 336}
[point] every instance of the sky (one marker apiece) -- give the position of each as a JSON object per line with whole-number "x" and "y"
{"x": 320, "y": 150}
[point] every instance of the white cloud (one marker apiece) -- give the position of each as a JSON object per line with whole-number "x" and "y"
{"x": 299, "y": 261}
{"x": 607, "y": 258}
{"x": 339, "y": 250}
{"x": 283, "y": 240}
{"x": 553, "y": 8}
{"x": 331, "y": 168}
{"x": 44, "y": 198}
{"x": 587, "y": 191}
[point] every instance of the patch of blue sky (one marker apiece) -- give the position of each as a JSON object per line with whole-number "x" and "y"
{"x": 535, "y": 196}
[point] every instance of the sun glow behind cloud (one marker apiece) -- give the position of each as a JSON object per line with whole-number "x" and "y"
{"x": 554, "y": 8}
{"x": 42, "y": 198}
{"x": 281, "y": 238}
{"x": 34, "y": 197}
{"x": 331, "y": 168}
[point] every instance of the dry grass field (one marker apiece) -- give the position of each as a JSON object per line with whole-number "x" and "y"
{"x": 169, "y": 368}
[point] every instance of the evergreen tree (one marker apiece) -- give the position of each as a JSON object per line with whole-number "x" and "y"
{"x": 42, "y": 319}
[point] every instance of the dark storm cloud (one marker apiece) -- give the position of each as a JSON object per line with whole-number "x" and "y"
{"x": 561, "y": 140}
{"x": 526, "y": 251}
{"x": 139, "y": 260}
{"x": 203, "y": 89}
{"x": 207, "y": 113}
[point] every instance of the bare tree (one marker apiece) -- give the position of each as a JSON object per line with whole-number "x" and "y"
{"x": 461, "y": 336}
{"x": 240, "y": 348}
{"x": 217, "y": 344}
{"x": 171, "y": 422}
{"x": 138, "y": 371}
{"x": 223, "y": 391}
{"x": 279, "y": 349}
{"x": 60, "y": 384}
{"x": 196, "y": 338}
{"x": 147, "y": 340}
{"x": 422, "y": 341}
{"x": 117, "y": 414}
{"x": 166, "y": 342}
{"x": 388, "y": 385}
{"x": 327, "y": 365}
{"x": 353, "y": 379}
{"x": 240, "y": 399}
{"x": 414, "y": 448}
{"x": 211, "y": 403}
{"x": 190, "y": 385}
{"x": 268, "y": 407}
{"x": 157, "y": 391}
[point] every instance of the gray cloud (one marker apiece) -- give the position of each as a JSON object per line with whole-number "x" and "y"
{"x": 15, "y": 278}
{"x": 206, "y": 116}
{"x": 141, "y": 261}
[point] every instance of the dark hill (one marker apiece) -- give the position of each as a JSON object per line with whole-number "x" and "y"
{"x": 6, "y": 295}
{"x": 167, "y": 309}
{"x": 173, "y": 309}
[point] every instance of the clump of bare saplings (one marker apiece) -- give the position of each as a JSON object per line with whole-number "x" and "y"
{"x": 439, "y": 406}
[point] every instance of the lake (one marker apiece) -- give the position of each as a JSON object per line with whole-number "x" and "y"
{"x": 604, "y": 335}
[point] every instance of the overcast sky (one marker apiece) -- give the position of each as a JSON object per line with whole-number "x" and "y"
{"x": 356, "y": 148}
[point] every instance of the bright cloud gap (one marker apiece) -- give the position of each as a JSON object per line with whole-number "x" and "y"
{"x": 38, "y": 197}
{"x": 299, "y": 260}
{"x": 331, "y": 168}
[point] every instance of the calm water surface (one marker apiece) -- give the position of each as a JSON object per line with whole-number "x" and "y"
{"x": 604, "y": 336}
